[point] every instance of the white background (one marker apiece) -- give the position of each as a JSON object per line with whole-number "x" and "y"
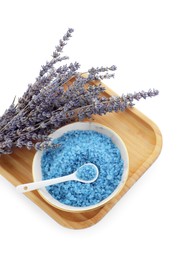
{"x": 153, "y": 44}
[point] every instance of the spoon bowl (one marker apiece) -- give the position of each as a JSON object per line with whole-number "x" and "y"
{"x": 87, "y": 173}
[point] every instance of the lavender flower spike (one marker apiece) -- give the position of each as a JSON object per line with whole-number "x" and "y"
{"x": 59, "y": 96}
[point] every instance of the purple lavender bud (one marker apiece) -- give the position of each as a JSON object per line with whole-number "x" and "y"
{"x": 55, "y": 54}
{"x": 113, "y": 68}
{"x": 38, "y": 146}
{"x": 70, "y": 30}
{"x": 137, "y": 96}
{"x": 29, "y": 145}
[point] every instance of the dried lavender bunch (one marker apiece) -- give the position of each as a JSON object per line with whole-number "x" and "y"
{"x": 59, "y": 96}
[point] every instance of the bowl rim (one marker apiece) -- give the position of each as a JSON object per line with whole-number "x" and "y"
{"x": 36, "y": 166}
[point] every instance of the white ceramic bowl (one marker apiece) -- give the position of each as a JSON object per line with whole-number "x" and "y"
{"x": 37, "y": 173}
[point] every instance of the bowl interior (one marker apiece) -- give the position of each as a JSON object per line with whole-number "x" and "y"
{"x": 37, "y": 173}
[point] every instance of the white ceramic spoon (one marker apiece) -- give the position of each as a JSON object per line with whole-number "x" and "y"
{"x": 78, "y": 175}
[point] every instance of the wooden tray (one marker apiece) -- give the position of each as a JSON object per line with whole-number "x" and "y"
{"x": 142, "y": 138}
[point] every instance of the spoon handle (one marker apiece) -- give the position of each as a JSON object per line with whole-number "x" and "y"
{"x": 40, "y": 184}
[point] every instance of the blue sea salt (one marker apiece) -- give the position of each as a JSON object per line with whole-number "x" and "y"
{"x": 77, "y": 148}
